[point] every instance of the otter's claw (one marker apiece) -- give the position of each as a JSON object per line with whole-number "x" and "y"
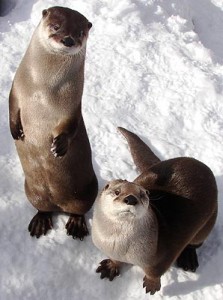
{"x": 17, "y": 133}
{"x": 76, "y": 227}
{"x": 40, "y": 224}
{"x": 151, "y": 285}
{"x": 59, "y": 145}
{"x": 188, "y": 259}
{"x": 108, "y": 269}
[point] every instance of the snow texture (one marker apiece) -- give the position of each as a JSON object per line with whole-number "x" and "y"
{"x": 154, "y": 67}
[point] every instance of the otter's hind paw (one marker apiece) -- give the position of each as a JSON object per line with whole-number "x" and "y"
{"x": 188, "y": 259}
{"x": 40, "y": 224}
{"x": 76, "y": 227}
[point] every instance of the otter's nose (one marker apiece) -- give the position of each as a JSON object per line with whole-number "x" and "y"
{"x": 68, "y": 41}
{"x": 131, "y": 200}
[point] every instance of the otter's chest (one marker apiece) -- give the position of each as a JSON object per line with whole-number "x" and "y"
{"x": 127, "y": 244}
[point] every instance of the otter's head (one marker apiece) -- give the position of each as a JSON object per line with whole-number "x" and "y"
{"x": 64, "y": 30}
{"x": 122, "y": 199}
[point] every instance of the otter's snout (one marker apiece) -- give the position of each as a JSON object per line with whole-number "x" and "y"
{"x": 130, "y": 200}
{"x": 68, "y": 41}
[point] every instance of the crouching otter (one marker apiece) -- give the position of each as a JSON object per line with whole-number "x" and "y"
{"x": 161, "y": 217}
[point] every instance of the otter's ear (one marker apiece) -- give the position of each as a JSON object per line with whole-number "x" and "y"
{"x": 89, "y": 25}
{"x": 119, "y": 181}
{"x": 106, "y": 187}
{"x": 147, "y": 193}
{"x": 44, "y": 12}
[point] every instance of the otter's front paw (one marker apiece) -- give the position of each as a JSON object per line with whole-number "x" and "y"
{"x": 108, "y": 269}
{"x": 17, "y": 132}
{"x": 40, "y": 224}
{"x": 151, "y": 285}
{"x": 76, "y": 227}
{"x": 59, "y": 145}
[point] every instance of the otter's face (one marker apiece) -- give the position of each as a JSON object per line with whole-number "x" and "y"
{"x": 64, "y": 30}
{"x": 123, "y": 199}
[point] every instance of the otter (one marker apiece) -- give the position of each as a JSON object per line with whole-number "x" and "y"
{"x": 159, "y": 218}
{"x": 47, "y": 125}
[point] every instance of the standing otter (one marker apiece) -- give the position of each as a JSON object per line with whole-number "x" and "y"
{"x": 161, "y": 217}
{"x": 47, "y": 124}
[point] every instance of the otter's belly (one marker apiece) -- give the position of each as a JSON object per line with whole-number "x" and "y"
{"x": 59, "y": 177}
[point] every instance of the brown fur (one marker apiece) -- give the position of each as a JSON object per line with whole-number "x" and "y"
{"x": 142, "y": 155}
{"x": 187, "y": 208}
{"x": 46, "y": 120}
{"x": 183, "y": 204}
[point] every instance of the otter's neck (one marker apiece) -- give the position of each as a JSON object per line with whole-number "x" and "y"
{"x": 120, "y": 238}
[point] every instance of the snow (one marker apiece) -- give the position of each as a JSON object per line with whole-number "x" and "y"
{"x": 154, "y": 67}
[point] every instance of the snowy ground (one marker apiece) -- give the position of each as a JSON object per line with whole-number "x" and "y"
{"x": 154, "y": 67}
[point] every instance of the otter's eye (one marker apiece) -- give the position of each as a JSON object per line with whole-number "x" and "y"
{"x": 117, "y": 192}
{"x": 81, "y": 34}
{"x": 55, "y": 27}
{"x": 141, "y": 195}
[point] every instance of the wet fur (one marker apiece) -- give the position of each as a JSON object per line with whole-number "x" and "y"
{"x": 121, "y": 239}
{"x": 183, "y": 205}
{"x": 46, "y": 120}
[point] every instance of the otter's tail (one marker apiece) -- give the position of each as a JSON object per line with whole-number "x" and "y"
{"x": 142, "y": 155}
